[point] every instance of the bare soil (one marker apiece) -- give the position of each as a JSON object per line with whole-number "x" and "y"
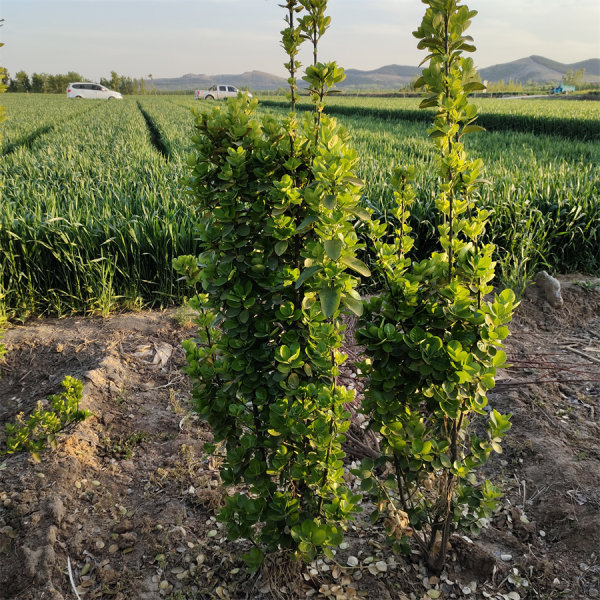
{"x": 129, "y": 498}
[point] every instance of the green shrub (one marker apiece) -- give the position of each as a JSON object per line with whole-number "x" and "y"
{"x": 276, "y": 204}
{"x": 432, "y": 341}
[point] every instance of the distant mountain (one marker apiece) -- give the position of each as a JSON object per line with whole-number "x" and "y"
{"x": 540, "y": 70}
{"x": 389, "y": 77}
{"x": 256, "y": 80}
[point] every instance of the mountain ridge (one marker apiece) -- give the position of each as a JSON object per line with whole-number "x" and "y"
{"x": 538, "y": 69}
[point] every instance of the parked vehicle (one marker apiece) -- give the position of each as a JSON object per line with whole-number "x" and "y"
{"x": 91, "y": 90}
{"x": 562, "y": 89}
{"x": 218, "y": 92}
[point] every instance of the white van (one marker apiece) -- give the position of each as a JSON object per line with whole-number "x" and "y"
{"x": 91, "y": 90}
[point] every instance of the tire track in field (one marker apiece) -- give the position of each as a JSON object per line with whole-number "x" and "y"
{"x": 28, "y": 139}
{"x": 156, "y": 137}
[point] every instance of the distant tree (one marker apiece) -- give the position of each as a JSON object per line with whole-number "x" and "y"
{"x": 38, "y": 81}
{"x": 23, "y": 83}
{"x": 73, "y": 76}
{"x": 115, "y": 81}
{"x": 135, "y": 86}
{"x": 4, "y": 78}
{"x": 152, "y": 88}
{"x": 143, "y": 91}
{"x": 503, "y": 86}
{"x": 57, "y": 84}
{"x": 126, "y": 85}
{"x": 575, "y": 78}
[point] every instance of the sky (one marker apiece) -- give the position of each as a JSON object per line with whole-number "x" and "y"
{"x": 169, "y": 38}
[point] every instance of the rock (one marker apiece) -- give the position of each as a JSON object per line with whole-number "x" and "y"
{"x": 548, "y": 289}
{"x": 96, "y": 377}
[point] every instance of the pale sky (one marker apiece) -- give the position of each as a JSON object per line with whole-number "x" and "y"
{"x": 169, "y": 38}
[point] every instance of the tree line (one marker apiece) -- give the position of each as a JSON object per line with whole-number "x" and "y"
{"x": 46, "y": 83}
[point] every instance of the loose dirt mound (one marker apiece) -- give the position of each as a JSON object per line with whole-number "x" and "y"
{"x": 129, "y": 498}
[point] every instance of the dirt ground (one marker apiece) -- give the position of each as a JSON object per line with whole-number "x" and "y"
{"x": 128, "y": 498}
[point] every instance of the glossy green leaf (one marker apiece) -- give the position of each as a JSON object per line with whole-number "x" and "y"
{"x": 330, "y": 300}
{"x": 333, "y": 248}
{"x": 356, "y": 265}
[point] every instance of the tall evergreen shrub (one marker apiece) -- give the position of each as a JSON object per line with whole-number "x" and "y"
{"x": 432, "y": 338}
{"x": 276, "y": 203}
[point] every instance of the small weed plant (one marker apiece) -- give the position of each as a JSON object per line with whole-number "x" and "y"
{"x": 432, "y": 339}
{"x": 34, "y": 433}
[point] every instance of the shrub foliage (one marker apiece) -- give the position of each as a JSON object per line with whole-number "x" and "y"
{"x": 432, "y": 340}
{"x": 276, "y": 204}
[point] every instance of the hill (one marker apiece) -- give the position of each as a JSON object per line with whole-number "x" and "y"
{"x": 540, "y": 70}
{"x": 532, "y": 68}
{"x": 387, "y": 77}
{"x": 256, "y": 80}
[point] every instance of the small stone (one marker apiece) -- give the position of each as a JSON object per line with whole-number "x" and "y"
{"x": 113, "y": 548}
{"x": 352, "y": 561}
{"x": 506, "y": 557}
{"x": 434, "y": 593}
{"x": 381, "y": 566}
{"x": 542, "y": 533}
{"x": 164, "y": 584}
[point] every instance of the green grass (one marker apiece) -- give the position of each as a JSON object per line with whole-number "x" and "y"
{"x": 92, "y": 213}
